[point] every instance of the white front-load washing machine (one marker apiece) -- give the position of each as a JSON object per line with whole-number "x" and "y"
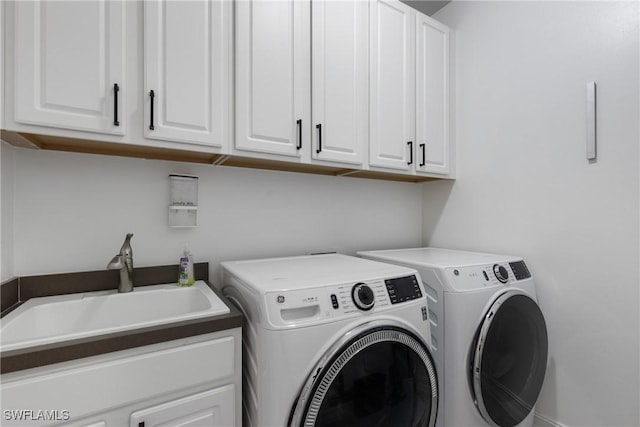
{"x": 333, "y": 340}
{"x": 489, "y": 335}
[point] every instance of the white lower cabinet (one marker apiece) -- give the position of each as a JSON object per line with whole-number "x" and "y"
{"x": 210, "y": 408}
{"x": 190, "y": 381}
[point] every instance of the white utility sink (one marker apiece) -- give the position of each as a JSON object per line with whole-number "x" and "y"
{"x": 59, "y": 318}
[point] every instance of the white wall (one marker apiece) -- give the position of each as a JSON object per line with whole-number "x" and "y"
{"x": 72, "y": 211}
{"x": 526, "y": 188}
{"x": 6, "y": 212}
{"x": 6, "y": 183}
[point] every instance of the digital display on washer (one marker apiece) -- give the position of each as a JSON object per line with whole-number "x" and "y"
{"x": 403, "y": 289}
{"x": 520, "y": 270}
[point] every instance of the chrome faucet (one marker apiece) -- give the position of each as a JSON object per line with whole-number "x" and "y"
{"x": 124, "y": 262}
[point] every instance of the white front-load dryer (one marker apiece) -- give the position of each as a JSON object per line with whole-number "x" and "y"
{"x": 489, "y": 335}
{"x": 333, "y": 340}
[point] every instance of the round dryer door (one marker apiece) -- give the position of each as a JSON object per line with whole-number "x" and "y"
{"x": 509, "y": 359}
{"x": 377, "y": 376}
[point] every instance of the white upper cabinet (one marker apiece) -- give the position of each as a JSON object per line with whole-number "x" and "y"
{"x": 392, "y": 96}
{"x": 353, "y": 87}
{"x": 187, "y": 71}
{"x": 340, "y": 69}
{"x": 69, "y": 65}
{"x": 300, "y": 96}
{"x": 273, "y": 77}
{"x": 409, "y": 91}
{"x": 432, "y": 97}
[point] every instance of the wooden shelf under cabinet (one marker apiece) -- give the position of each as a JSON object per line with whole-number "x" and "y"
{"x": 56, "y": 143}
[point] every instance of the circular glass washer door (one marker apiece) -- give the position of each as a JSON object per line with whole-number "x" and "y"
{"x": 509, "y": 359}
{"x": 383, "y": 376}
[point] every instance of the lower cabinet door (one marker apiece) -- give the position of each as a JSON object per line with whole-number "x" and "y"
{"x": 212, "y": 408}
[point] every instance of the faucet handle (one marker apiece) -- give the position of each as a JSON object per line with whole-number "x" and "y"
{"x": 115, "y": 263}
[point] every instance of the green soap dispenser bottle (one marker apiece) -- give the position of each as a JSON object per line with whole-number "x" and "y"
{"x": 190, "y": 276}
{"x": 185, "y": 274}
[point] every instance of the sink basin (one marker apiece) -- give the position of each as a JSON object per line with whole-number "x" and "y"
{"x": 59, "y": 318}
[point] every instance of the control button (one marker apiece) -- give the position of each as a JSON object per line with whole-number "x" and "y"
{"x": 362, "y": 296}
{"x": 334, "y": 301}
{"x": 501, "y": 273}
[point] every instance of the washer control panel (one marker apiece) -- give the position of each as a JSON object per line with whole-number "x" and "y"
{"x": 316, "y": 305}
{"x": 357, "y": 297}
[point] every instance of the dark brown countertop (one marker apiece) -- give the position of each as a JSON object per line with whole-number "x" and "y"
{"x": 57, "y": 284}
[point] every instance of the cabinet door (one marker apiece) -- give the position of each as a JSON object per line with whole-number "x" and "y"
{"x": 392, "y": 109}
{"x": 340, "y": 80}
{"x": 273, "y": 76}
{"x": 432, "y": 91}
{"x": 69, "y": 65}
{"x": 187, "y": 59}
{"x": 211, "y": 408}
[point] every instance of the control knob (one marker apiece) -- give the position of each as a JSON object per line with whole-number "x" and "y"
{"x": 501, "y": 273}
{"x": 362, "y": 296}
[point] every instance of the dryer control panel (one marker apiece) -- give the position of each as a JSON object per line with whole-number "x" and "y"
{"x": 481, "y": 276}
